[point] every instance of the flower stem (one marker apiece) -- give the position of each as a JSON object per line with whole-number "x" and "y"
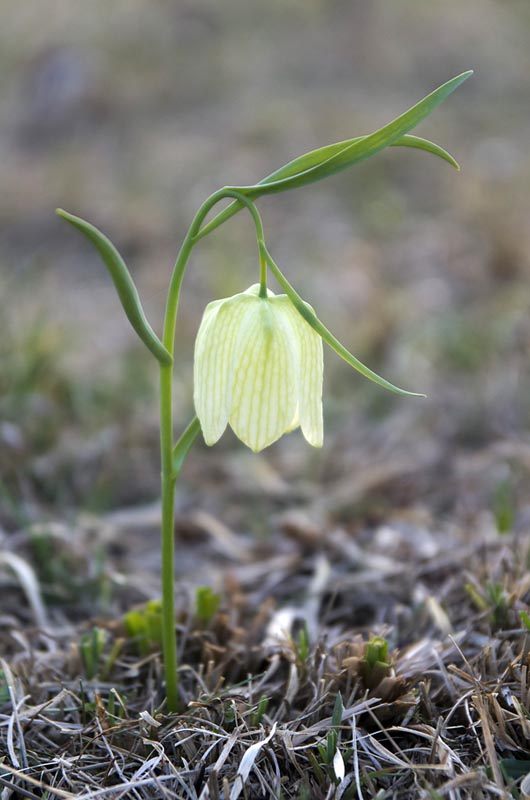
{"x": 170, "y": 469}
{"x": 169, "y": 641}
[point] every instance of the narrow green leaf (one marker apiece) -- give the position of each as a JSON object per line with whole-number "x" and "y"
{"x": 124, "y": 284}
{"x": 338, "y": 710}
{"x": 326, "y": 335}
{"x": 525, "y": 619}
{"x": 327, "y": 160}
{"x": 316, "y": 158}
{"x": 183, "y": 446}
{"x": 359, "y": 149}
{"x": 515, "y": 768}
{"x": 405, "y": 141}
{"x": 429, "y": 147}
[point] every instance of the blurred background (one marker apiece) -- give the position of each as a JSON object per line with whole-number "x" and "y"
{"x": 131, "y": 113}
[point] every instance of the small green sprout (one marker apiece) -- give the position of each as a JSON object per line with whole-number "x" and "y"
{"x": 206, "y": 604}
{"x": 4, "y": 688}
{"x": 91, "y": 649}
{"x": 144, "y": 626}
{"x": 500, "y": 604}
{"x": 504, "y": 507}
{"x": 116, "y": 708}
{"x": 258, "y": 360}
{"x": 331, "y": 756}
{"x": 525, "y": 619}
{"x": 493, "y": 599}
{"x": 256, "y": 717}
{"x": 302, "y": 645}
{"x": 109, "y": 711}
{"x": 375, "y": 664}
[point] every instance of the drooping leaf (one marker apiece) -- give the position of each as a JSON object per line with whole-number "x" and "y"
{"x": 124, "y": 284}
{"x": 419, "y": 143}
{"x": 326, "y": 334}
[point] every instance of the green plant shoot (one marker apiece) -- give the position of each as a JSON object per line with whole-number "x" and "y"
{"x": 258, "y": 356}
{"x": 206, "y": 604}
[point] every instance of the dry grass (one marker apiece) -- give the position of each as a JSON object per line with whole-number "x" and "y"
{"x": 444, "y": 714}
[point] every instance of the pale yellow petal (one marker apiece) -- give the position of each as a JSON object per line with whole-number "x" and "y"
{"x": 264, "y": 390}
{"x": 295, "y": 422}
{"x": 215, "y": 348}
{"x": 310, "y": 373}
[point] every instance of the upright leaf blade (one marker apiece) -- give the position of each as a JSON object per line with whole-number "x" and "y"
{"x": 183, "y": 446}
{"x": 405, "y": 141}
{"x": 124, "y": 284}
{"x": 327, "y": 160}
{"x": 359, "y": 149}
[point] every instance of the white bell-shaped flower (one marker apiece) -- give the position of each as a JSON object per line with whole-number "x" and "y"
{"x": 258, "y": 367}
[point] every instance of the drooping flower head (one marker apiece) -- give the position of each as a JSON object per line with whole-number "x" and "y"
{"x": 258, "y": 367}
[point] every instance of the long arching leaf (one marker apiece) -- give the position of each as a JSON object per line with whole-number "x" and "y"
{"x": 332, "y": 158}
{"x": 358, "y": 149}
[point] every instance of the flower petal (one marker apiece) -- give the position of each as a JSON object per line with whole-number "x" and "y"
{"x": 310, "y": 373}
{"x": 264, "y": 394}
{"x": 214, "y": 362}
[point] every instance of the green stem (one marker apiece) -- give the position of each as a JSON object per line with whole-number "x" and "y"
{"x": 172, "y": 458}
{"x": 262, "y": 274}
{"x": 168, "y": 479}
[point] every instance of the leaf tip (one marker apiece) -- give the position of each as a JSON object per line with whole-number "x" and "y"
{"x": 464, "y": 76}
{"x": 406, "y": 393}
{"x": 64, "y": 214}
{"x": 453, "y": 162}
